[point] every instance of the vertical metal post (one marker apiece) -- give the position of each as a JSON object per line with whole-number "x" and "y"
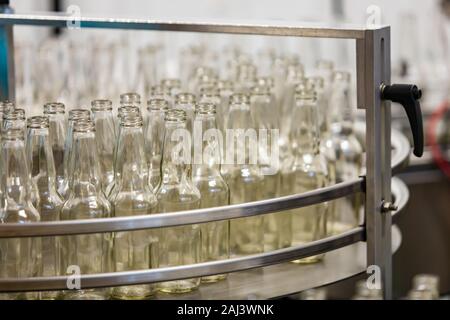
{"x": 373, "y": 54}
{"x": 7, "y": 85}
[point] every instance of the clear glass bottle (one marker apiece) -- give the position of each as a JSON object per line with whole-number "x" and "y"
{"x": 154, "y": 138}
{"x": 74, "y": 116}
{"x": 245, "y": 77}
{"x": 5, "y": 107}
{"x": 178, "y": 245}
{"x": 20, "y": 257}
{"x": 43, "y": 175}
{"x": 344, "y": 151}
{"x": 263, "y": 110}
{"x": 90, "y": 252}
{"x": 243, "y": 176}
{"x": 105, "y": 135}
{"x": 306, "y": 171}
{"x": 134, "y": 250}
{"x": 213, "y": 189}
{"x": 130, "y": 99}
{"x": 15, "y": 119}
{"x": 186, "y": 102}
{"x": 174, "y": 86}
{"x": 55, "y": 111}
{"x": 294, "y": 76}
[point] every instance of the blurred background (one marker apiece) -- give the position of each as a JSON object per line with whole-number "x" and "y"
{"x": 101, "y": 63}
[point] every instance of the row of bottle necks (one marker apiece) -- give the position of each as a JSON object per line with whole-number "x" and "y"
{"x": 79, "y": 170}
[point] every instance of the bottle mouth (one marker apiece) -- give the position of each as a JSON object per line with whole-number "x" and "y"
{"x": 184, "y": 98}
{"x": 260, "y": 90}
{"x": 157, "y": 104}
{"x": 205, "y": 109}
{"x": 131, "y": 120}
{"x": 54, "y": 108}
{"x": 79, "y": 114}
{"x": 159, "y": 90}
{"x": 225, "y": 85}
{"x": 101, "y": 105}
{"x": 175, "y": 116}
{"x": 84, "y": 126}
{"x": 124, "y": 110}
{"x": 6, "y": 106}
{"x": 305, "y": 91}
{"x": 265, "y": 82}
{"x": 37, "y": 122}
{"x": 16, "y": 114}
{"x": 171, "y": 83}
{"x": 130, "y": 97}
{"x": 209, "y": 91}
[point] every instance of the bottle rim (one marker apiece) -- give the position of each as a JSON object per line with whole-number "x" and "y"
{"x": 205, "y": 108}
{"x": 130, "y": 97}
{"x": 175, "y": 115}
{"x": 38, "y": 122}
{"x": 54, "y": 108}
{"x": 171, "y": 83}
{"x": 79, "y": 114}
{"x": 6, "y": 106}
{"x": 185, "y": 98}
{"x": 239, "y": 98}
{"x": 16, "y": 114}
{"x": 13, "y": 134}
{"x": 131, "y": 120}
{"x": 83, "y": 126}
{"x": 123, "y": 110}
{"x": 157, "y": 104}
{"x": 101, "y": 105}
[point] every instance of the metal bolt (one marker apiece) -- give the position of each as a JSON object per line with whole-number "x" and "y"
{"x": 388, "y": 206}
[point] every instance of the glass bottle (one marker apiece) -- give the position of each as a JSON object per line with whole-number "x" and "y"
{"x": 343, "y": 150}
{"x": 243, "y": 176}
{"x": 43, "y": 175}
{"x": 306, "y": 171}
{"x": 186, "y": 102}
{"x": 105, "y": 135}
{"x": 245, "y": 77}
{"x": 20, "y": 257}
{"x": 5, "y": 107}
{"x": 263, "y": 110}
{"x": 130, "y": 99}
{"x": 90, "y": 252}
{"x": 213, "y": 189}
{"x": 55, "y": 111}
{"x": 134, "y": 250}
{"x": 174, "y": 86}
{"x": 154, "y": 138}
{"x": 178, "y": 245}
{"x": 15, "y": 119}
{"x": 74, "y": 116}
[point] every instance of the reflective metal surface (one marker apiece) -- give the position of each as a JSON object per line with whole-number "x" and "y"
{"x": 272, "y": 27}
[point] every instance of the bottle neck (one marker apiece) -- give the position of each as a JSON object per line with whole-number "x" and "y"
{"x": 207, "y": 146}
{"x": 176, "y": 163}
{"x": 342, "y": 114}
{"x": 40, "y": 158}
{"x": 57, "y": 128}
{"x": 16, "y": 180}
{"x": 305, "y": 129}
{"x": 85, "y": 163}
{"x": 154, "y": 133}
{"x": 131, "y": 165}
{"x": 105, "y": 132}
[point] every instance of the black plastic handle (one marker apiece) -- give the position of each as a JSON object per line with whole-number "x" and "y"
{"x": 408, "y": 96}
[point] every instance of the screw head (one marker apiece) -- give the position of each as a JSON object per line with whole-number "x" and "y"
{"x": 388, "y": 207}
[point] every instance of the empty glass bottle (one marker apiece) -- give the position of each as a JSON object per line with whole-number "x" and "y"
{"x": 20, "y": 257}
{"x": 15, "y": 119}
{"x": 343, "y": 150}
{"x": 306, "y": 171}
{"x": 55, "y": 111}
{"x": 186, "y": 102}
{"x": 74, "y": 116}
{"x": 134, "y": 250}
{"x": 5, "y": 107}
{"x": 213, "y": 189}
{"x": 90, "y": 252}
{"x": 43, "y": 175}
{"x": 178, "y": 245}
{"x": 263, "y": 110}
{"x": 130, "y": 99}
{"x": 243, "y": 176}
{"x": 174, "y": 86}
{"x": 154, "y": 138}
{"x": 105, "y": 135}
